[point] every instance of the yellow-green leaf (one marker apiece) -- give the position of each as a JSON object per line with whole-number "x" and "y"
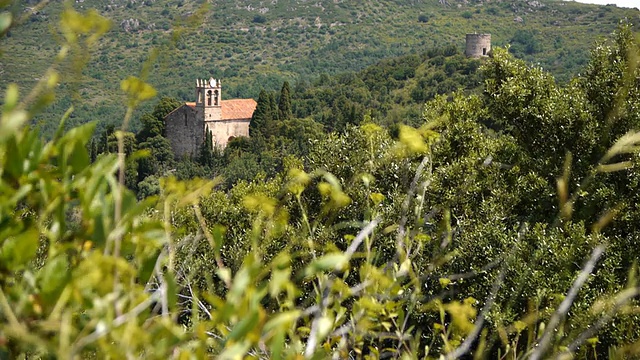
{"x": 137, "y": 90}
{"x": 5, "y": 21}
{"x": 16, "y": 251}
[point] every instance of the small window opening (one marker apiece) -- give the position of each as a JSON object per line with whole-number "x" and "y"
{"x": 484, "y": 51}
{"x": 215, "y": 98}
{"x": 209, "y": 98}
{"x": 185, "y": 119}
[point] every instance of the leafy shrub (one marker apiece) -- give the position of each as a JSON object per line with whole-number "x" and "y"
{"x": 259, "y": 19}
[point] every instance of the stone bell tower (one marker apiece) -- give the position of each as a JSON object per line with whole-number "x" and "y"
{"x": 208, "y": 99}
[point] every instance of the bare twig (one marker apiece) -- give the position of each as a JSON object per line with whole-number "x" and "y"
{"x": 543, "y": 343}
{"x": 201, "y": 306}
{"x": 465, "y": 347}
{"x": 203, "y": 226}
{"x": 119, "y": 192}
{"x": 102, "y": 330}
{"x": 474, "y": 273}
{"x": 361, "y": 236}
{"x": 405, "y": 205}
{"x": 6, "y": 309}
{"x": 355, "y": 290}
{"x": 313, "y": 335}
{"x": 621, "y": 299}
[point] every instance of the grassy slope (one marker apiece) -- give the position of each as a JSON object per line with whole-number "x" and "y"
{"x": 298, "y": 40}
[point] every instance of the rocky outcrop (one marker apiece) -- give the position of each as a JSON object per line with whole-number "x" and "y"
{"x": 130, "y": 25}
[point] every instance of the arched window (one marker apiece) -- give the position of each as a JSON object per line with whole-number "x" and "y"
{"x": 215, "y": 98}
{"x": 209, "y": 96}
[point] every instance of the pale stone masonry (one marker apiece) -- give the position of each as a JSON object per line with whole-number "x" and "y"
{"x": 187, "y": 126}
{"x": 478, "y": 45}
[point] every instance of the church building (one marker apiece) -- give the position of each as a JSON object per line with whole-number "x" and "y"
{"x": 187, "y": 126}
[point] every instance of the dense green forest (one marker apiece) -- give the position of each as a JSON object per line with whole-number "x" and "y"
{"x": 256, "y": 45}
{"x": 426, "y": 206}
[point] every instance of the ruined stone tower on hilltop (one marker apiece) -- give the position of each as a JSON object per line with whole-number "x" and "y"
{"x": 478, "y": 45}
{"x": 187, "y": 126}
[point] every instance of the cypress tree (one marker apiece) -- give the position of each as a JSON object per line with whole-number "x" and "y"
{"x": 205, "y": 156}
{"x": 93, "y": 149}
{"x": 284, "y": 105}
{"x": 260, "y": 115}
{"x": 269, "y": 127}
{"x": 273, "y": 106}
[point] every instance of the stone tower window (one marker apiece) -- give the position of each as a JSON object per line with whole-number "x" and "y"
{"x": 484, "y": 51}
{"x": 209, "y": 96}
{"x": 215, "y": 98}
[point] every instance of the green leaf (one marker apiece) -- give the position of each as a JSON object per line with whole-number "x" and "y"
{"x": 11, "y": 97}
{"x": 325, "y": 324}
{"x": 53, "y": 277}
{"x": 147, "y": 266}
{"x": 279, "y": 279}
{"x": 236, "y": 351}
{"x": 240, "y": 283}
{"x": 79, "y": 158}
{"x": 224, "y": 274}
{"x": 99, "y": 233}
{"x": 172, "y": 290}
{"x": 5, "y": 22}
{"x": 16, "y": 251}
{"x": 245, "y": 325}
{"x": 282, "y": 320}
{"x": 13, "y": 163}
{"x": 335, "y": 261}
{"x": 218, "y": 237}
{"x": 137, "y": 90}
{"x": 412, "y": 140}
{"x": 276, "y": 344}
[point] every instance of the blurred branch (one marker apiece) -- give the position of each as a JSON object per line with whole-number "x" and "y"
{"x": 620, "y": 300}
{"x": 543, "y": 343}
{"x": 405, "y": 205}
{"x": 465, "y": 347}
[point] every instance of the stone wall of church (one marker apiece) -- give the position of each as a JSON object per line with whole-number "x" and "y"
{"x": 223, "y": 130}
{"x": 184, "y": 129}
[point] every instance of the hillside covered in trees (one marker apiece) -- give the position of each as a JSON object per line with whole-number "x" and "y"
{"x": 289, "y": 122}
{"x": 458, "y": 208}
{"x": 256, "y": 45}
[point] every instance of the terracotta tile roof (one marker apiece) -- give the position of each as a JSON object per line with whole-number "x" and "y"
{"x": 190, "y": 104}
{"x": 238, "y": 109}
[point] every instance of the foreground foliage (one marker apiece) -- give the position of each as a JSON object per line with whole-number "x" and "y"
{"x": 503, "y": 226}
